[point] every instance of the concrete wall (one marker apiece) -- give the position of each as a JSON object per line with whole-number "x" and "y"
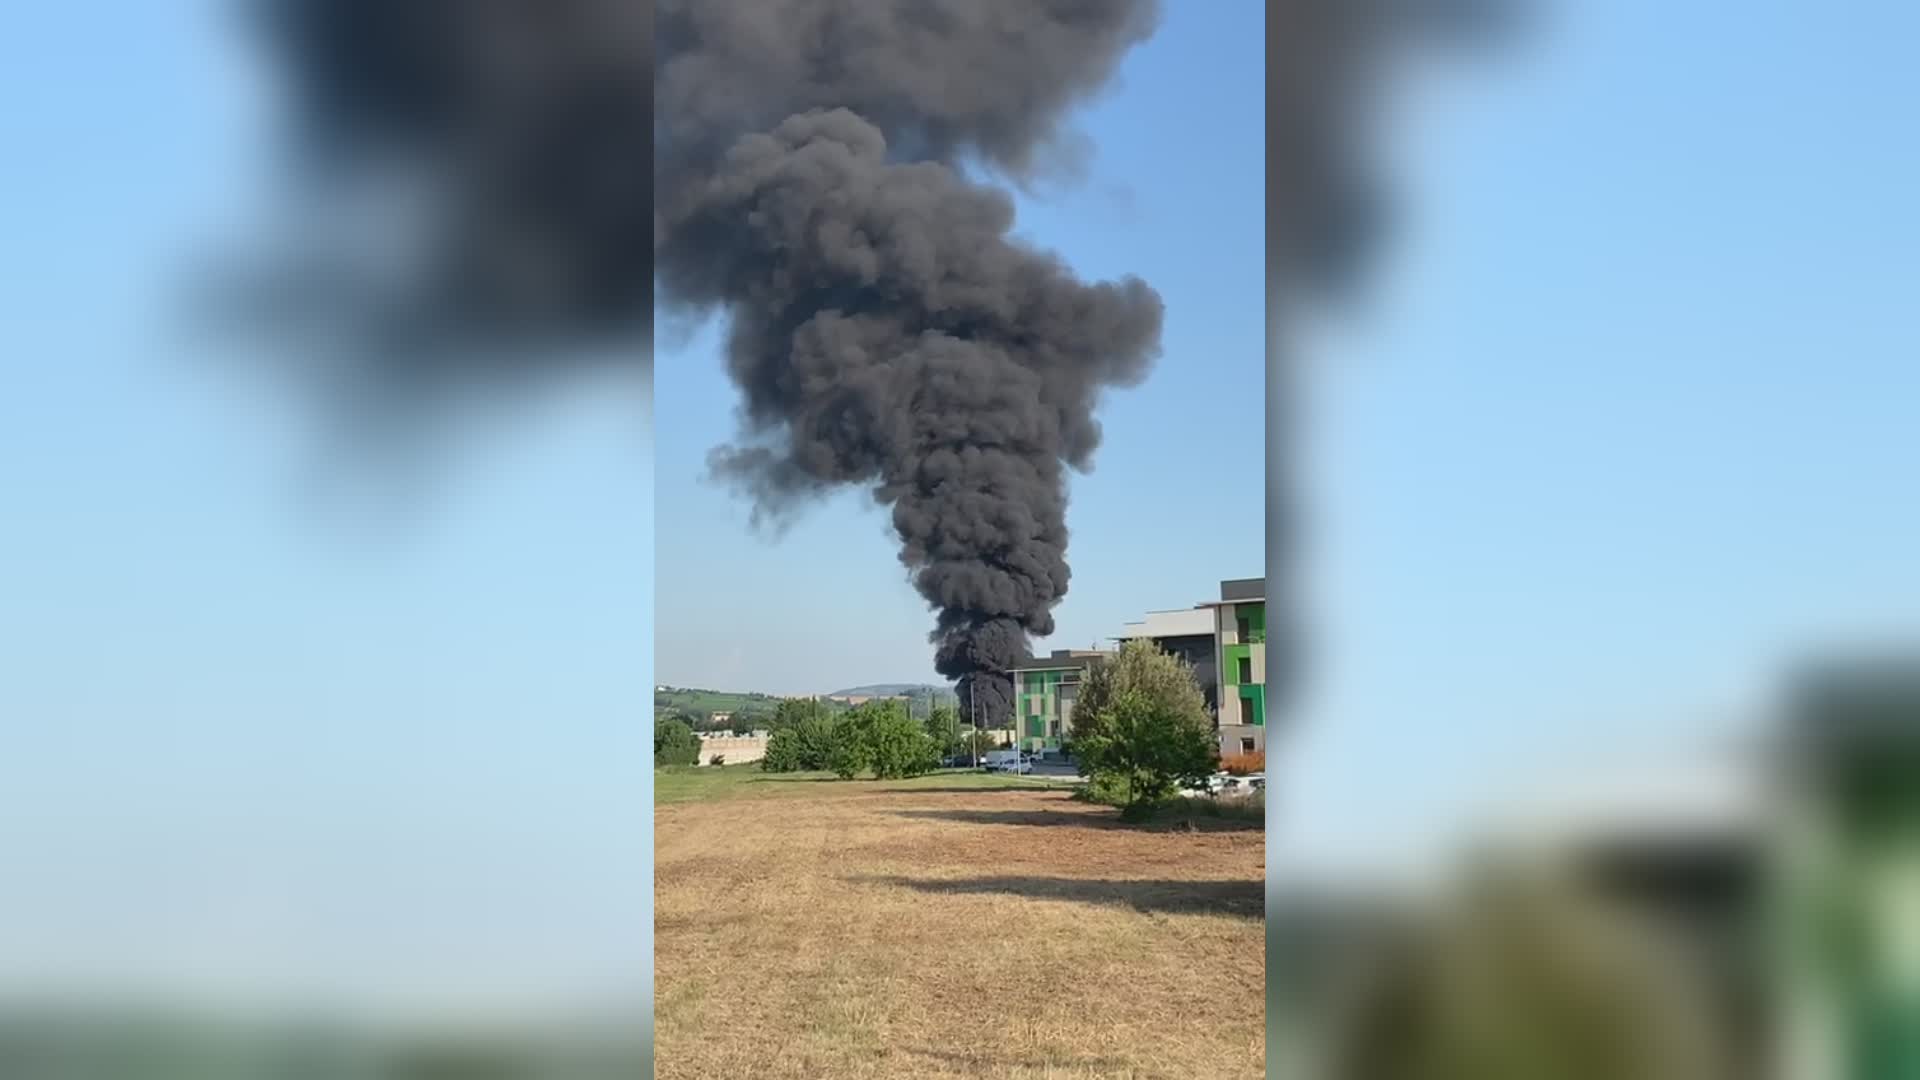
{"x": 1231, "y": 734}
{"x": 736, "y": 748}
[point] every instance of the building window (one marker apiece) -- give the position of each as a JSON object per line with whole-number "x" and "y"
{"x": 1245, "y": 670}
{"x": 1246, "y": 744}
{"x": 1245, "y": 628}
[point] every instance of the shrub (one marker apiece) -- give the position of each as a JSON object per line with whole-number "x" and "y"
{"x": 1148, "y": 747}
{"x": 674, "y": 743}
{"x": 806, "y": 741}
{"x": 791, "y": 712}
{"x": 944, "y": 728}
{"x": 1244, "y": 764}
{"x": 783, "y": 752}
{"x": 1143, "y": 668}
{"x": 718, "y": 759}
{"x": 1106, "y": 789}
{"x": 848, "y": 757}
{"x": 897, "y": 747}
{"x": 815, "y": 738}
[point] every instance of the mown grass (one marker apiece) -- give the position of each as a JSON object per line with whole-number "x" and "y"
{"x": 948, "y": 927}
{"x": 705, "y": 783}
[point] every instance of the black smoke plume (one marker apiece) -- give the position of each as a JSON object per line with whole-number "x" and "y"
{"x": 812, "y": 168}
{"x": 484, "y": 169}
{"x": 884, "y": 328}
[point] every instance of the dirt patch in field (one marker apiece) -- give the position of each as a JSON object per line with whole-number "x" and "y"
{"x": 950, "y": 933}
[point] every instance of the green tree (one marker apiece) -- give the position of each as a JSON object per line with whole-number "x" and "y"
{"x": 897, "y": 746}
{"x": 792, "y": 711}
{"x": 943, "y": 727}
{"x": 783, "y": 752}
{"x": 879, "y": 736}
{"x": 1144, "y": 668}
{"x": 674, "y": 743}
{"x": 806, "y": 741}
{"x": 848, "y": 758}
{"x": 1148, "y": 747}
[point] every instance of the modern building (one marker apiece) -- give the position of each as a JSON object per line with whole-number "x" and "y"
{"x": 1044, "y": 690}
{"x": 1240, "y": 649}
{"x": 1188, "y": 633}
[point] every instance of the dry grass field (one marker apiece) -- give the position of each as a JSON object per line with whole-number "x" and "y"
{"x": 951, "y": 926}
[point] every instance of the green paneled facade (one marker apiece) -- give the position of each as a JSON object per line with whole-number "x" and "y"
{"x": 1043, "y": 694}
{"x": 1243, "y": 659}
{"x": 1037, "y": 704}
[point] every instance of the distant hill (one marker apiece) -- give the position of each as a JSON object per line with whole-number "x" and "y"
{"x": 895, "y": 689}
{"x": 703, "y": 702}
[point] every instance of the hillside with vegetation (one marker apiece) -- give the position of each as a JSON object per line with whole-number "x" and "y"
{"x": 697, "y": 705}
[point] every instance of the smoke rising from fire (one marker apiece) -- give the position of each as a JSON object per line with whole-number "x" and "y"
{"x": 884, "y": 328}
{"x": 823, "y": 173}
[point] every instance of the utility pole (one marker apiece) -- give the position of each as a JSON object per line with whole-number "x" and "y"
{"x": 973, "y": 711}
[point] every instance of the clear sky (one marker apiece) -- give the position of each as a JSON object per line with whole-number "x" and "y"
{"x": 1629, "y": 420}
{"x": 254, "y": 738}
{"x": 1627, "y": 417}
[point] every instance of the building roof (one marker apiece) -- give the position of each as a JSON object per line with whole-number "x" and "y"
{"x": 1183, "y": 622}
{"x": 1061, "y": 660}
{"x": 1237, "y": 589}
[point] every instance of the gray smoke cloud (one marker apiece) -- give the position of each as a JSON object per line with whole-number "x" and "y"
{"x": 822, "y": 172}
{"x": 884, "y": 328}
{"x": 481, "y": 172}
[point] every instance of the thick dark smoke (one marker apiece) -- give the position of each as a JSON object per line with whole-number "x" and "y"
{"x": 884, "y": 329}
{"x": 813, "y": 169}
{"x": 498, "y": 154}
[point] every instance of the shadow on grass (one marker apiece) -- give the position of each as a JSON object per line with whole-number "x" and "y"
{"x": 1095, "y": 818}
{"x": 1246, "y": 899}
{"x": 986, "y": 1062}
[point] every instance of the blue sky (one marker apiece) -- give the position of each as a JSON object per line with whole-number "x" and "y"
{"x": 1628, "y": 419}
{"x": 1625, "y": 419}
{"x": 255, "y": 738}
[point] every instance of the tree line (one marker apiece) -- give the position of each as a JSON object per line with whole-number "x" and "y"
{"x": 1140, "y": 731}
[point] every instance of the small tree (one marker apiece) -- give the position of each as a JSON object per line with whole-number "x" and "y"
{"x": 896, "y": 746}
{"x": 1149, "y": 748}
{"x": 848, "y": 751}
{"x": 943, "y": 727}
{"x": 783, "y": 752}
{"x": 1145, "y": 668}
{"x": 674, "y": 743}
{"x": 805, "y": 741}
{"x": 791, "y": 712}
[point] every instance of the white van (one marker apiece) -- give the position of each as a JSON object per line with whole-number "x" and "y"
{"x": 1005, "y": 761}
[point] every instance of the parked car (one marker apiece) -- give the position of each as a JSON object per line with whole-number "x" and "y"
{"x": 1243, "y": 786}
{"x": 1006, "y": 761}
